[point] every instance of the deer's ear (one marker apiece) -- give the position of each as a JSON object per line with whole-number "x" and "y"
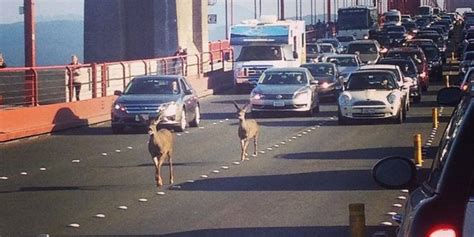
{"x": 236, "y": 105}
{"x": 246, "y": 106}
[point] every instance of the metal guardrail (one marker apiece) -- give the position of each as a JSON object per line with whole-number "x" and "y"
{"x": 34, "y": 86}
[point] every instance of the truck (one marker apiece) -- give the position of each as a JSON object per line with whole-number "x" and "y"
{"x": 265, "y": 43}
{"x": 357, "y": 21}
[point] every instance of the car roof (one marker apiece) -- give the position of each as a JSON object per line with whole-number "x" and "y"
{"x": 288, "y": 69}
{"x": 342, "y": 55}
{"x": 379, "y": 66}
{"x": 372, "y": 71}
{"x": 319, "y": 63}
{"x": 405, "y": 49}
{"x": 164, "y": 77}
{"x": 365, "y": 41}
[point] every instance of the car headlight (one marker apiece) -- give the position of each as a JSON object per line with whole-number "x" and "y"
{"x": 302, "y": 96}
{"x": 119, "y": 107}
{"x": 344, "y": 99}
{"x": 257, "y": 95}
{"x": 325, "y": 85}
{"x": 169, "y": 109}
{"x": 391, "y": 98}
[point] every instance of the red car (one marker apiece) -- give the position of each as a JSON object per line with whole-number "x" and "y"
{"x": 417, "y": 55}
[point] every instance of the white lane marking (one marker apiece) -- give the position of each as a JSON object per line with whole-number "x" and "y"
{"x": 253, "y": 155}
{"x": 270, "y": 149}
{"x": 290, "y": 140}
{"x": 309, "y": 130}
{"x": 305, "y": 133}
{"x": 24, "y": 173}
{"x": 397, "y": 205}
{"x": 276, "y": 145}
{"x": 283, "y": 143}
{"x": 143, "y": 200}
{"x": 236, "y": 163}
{"x": 225, "y": 167}
{"x": 428, "y": 143}
{"x": 160, "y": 193}
{"x": 122, "y": 207}
{"x": 221, "y": 121}
{"x": 100, "y": 215}
{"x": 201, "y": 127}
{"x": 42, "y": 169}
{"x": 299, "y": 135}
{"x": 386, "y": 223}
{"x": 262, "y": 152}
{"x": 178, "y": 134}
{"x": 190, "y": 181}
{"x": 75, "y": 161}
{"x": 4, "y": 178}
{"x": 204, "y": 176}
{"x": 118, "y": 151}
{"x": 129, "y": 147}
{"x": 74, "y": 225}
{"x": 187, "y": 132}
{"x": 313, "y": 128}
{"x": 293, "y": 137}
{"x": 215, "y": 171}
{"x": 391, "y": 213}
{"x": 214, "y": 123}
{"x": 226, "y": 119}
{"x": 402, "y": 198}
{"x": 104, "y": 153}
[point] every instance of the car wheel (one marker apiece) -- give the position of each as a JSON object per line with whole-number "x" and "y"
{"x": 117, "y": 129}
{"x": 399, "y": 118}
{"x": 197, "y": 118}
{"x": 341, "y": 120}
{"x": 182, "y": 122}
{"x": 404, "y": 115}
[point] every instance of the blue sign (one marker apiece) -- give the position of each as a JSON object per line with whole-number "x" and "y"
{"x": 248, "y": 35}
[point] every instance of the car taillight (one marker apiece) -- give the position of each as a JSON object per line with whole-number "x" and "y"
{"x": 443, "y": 232}
{"x": 423, "y": 75}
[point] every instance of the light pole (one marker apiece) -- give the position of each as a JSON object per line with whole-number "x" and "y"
{"x": 30, "y": 36}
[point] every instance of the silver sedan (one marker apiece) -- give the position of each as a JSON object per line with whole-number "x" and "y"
{"x": 286, "y": 89}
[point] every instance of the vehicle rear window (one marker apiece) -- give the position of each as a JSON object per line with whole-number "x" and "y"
{"x": 320, "y": 69}
{"x": 469, "y": 56}
{"x": 343, "y": 61}
{"x": 362, "y": 48}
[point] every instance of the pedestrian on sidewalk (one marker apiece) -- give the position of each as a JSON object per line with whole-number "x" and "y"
{"x": 74, "y": 82}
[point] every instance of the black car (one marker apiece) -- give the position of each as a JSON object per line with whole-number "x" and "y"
{"x": 330, "y": 82}
{"x": 435, "y": 61}
{"x": 145, "y": 96}
{"x": 408, "y": 68}
{"x": 443, "y": 204}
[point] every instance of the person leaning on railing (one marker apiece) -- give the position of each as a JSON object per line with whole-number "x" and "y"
{"x": 2, "y": 62}
{"x": 74, "y": 78}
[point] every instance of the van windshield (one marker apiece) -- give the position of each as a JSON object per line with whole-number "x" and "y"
{"x": 260, "y": 53}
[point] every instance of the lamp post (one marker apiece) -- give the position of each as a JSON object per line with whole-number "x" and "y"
{"x": 30, "y": 36}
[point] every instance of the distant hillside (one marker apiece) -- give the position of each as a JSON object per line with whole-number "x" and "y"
{"x": 56, "y": 41}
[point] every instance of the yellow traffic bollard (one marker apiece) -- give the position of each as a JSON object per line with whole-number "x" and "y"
{"x": 452, "y": 57}
{"x": 417, "y": 147}
{"x": 357, "y": 219}
{"x": 447, "y": 80}
{"x": 434, "y": 114}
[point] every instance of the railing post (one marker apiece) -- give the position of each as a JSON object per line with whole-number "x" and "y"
{"x": 70, "y": 78}
{"x": 35, "y": 88}
{"x": 124, "y": 78}
{"x": 146, "y": 68}
{"x": 94, "y": 80}
{"x": 103, "y": 80}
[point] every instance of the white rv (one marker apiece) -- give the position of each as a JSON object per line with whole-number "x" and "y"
{"x": 265, "y": 43}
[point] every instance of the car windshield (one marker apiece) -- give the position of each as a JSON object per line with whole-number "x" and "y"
{"x": 283, "y": 78}
{"x": 260, "y": 53}
{"x": 343, "y": 61}
{"x": 408, "y": 69}
{"x": 329, "y": 41}
{"x": 345, "y": 38}
{"x": 362, "y": 48}
{"x": 413, "y": 55}
{"x": 430, "y": 52}
{"x": 312, "y": 48}
{"x": 469, "y": 56}
{"x": 377, "y": 81}
{"x": 152, "y": 86}
{"x": 320, "y": 69}
{"x": 327, "y": 49}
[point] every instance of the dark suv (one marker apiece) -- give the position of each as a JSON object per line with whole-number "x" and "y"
{"x": 443, "y": 204}
{"x": 418, "y": 56}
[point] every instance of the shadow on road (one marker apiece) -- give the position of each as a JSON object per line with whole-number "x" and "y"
{"x": 282, "y": 231}
{"x": 57, "y": 188}
{"x": 334, "y": 180}
{"x": 370, "y": 153}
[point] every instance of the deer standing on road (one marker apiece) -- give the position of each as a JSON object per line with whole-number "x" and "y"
{"x": 248, "y": 129}
{"x": 160, "y": 146}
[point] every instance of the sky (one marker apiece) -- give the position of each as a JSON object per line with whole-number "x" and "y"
{"x": 45, "y": 10}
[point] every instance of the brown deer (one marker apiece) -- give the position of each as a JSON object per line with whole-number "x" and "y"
{"x": 248, "y": 129}
{"x": 160, "y": 146}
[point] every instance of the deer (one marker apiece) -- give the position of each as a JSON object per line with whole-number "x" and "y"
{"x": 248, "y": 129}
{"x": 160, "y": 146}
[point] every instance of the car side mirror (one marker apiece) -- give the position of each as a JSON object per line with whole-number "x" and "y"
{"x": 394, "y": 172}
{"x": 449, "y": 96}
{"x": 408, "y": 80}
{"x": 188, "y": 92}
{"x": 118, "y": 93}
{"x": 314, "y": 82}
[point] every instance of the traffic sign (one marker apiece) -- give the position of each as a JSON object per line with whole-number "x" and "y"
{"x": 212, "y": 19}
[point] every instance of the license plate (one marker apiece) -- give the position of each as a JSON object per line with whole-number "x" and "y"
{"x": 278, "y": 103}
{"x": 368, "y": 111}
{"x": 142, "y": 117}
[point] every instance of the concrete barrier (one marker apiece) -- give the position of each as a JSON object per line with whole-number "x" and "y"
{"x": 24, "y": 122}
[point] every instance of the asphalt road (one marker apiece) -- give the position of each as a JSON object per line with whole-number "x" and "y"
{"x": 307, "y": 172}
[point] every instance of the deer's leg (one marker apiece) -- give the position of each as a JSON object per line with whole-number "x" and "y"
{"x": 242, "y": 145}
{"x": 246, "y": 143}
{"x": 157, "y": 172}
{"x": 255, "y": 145}
{"x": 170, "y": 160}
{"x": 160, "y": 163}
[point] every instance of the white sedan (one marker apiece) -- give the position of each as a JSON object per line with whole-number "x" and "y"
{"x": 372, "y": 94}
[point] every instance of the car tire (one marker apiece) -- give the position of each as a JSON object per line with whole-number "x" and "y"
{"x": 341, "y": 120}
{"x": 197, "y": 118}
{"x": 404, "y": 116}
{"x": 182, "y": 122}
{"x": 399, "y": 118}
{"x": 117, "y": 129}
